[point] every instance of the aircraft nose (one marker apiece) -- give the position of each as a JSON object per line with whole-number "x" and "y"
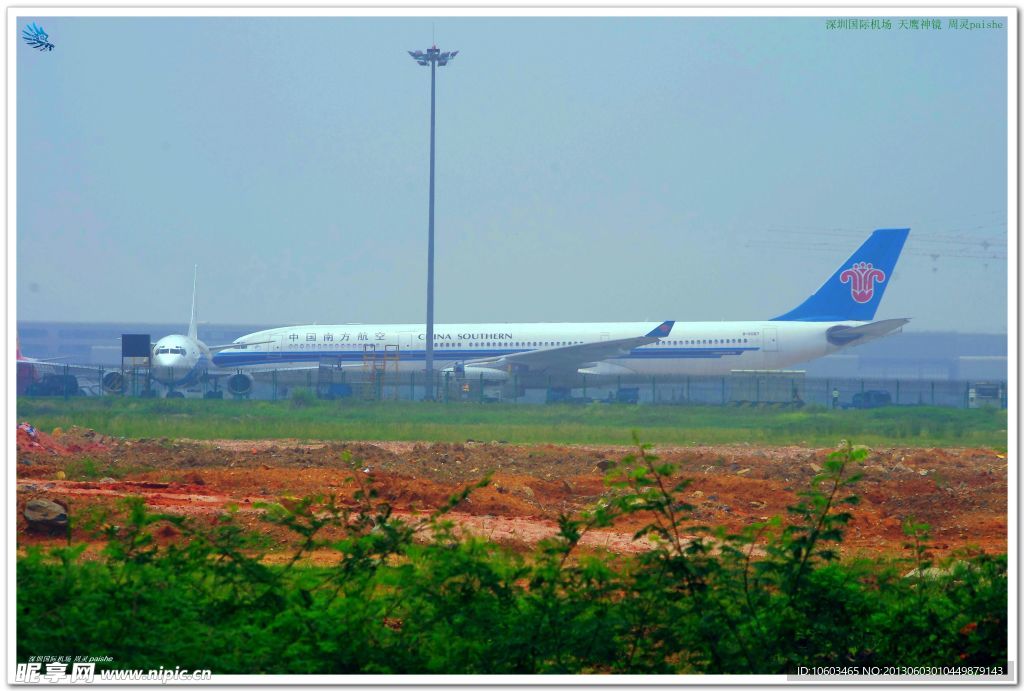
{"x": 167, "y": 360}
{"x": 169, "y": 366}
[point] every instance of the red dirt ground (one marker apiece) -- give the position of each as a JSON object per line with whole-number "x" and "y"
{"x": 961, "y": 493}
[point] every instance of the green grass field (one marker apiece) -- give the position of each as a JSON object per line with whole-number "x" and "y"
{"x": 457, "y": 422}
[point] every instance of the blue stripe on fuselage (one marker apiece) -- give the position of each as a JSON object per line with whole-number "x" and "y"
{"x": 227, "y": 360}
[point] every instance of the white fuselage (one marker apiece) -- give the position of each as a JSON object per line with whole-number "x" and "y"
{"x": 179, "y": 360}
{"x": 692, "y": 348}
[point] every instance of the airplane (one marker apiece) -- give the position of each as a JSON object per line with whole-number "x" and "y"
{"x": 838, "y": 315}
{"x": 46, "y": 377}
{"x": 179, "y": 360}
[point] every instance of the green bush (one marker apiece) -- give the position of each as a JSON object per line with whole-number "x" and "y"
{"x": 420, "y": 597}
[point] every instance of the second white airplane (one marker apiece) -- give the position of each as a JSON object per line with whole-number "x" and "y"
{"x": 181, "y": 361}
{"x": 840, "y": 314}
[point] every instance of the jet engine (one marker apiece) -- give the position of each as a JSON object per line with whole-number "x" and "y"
{"x": 239, "y": 384}
{"x": 474, "y": 374}
{"x": 113, "y": 382}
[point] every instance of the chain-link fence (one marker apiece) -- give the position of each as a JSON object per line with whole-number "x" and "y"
{"x": 768, "y": 388}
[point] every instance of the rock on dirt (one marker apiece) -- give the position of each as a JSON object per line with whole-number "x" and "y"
{"x": 525, "y": 491}
{"x": 45, "y": 515}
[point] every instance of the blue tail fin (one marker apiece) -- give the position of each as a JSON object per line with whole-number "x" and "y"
{"x": 662, "y": 330}
{"x": 855, "y": 289}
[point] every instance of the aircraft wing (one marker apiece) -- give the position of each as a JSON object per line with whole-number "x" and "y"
{"x": 285, "y": 373}
{"x": 55, "y": 366}
{"x": 571, "y": 358}
{"x": 240, "y": 346}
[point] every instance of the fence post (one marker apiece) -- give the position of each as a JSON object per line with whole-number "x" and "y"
{"x": 273, "y": 384}
{"x": 723, "y": 390}
{"x": 584, "y": 386}
{"x": 447, "y": 375}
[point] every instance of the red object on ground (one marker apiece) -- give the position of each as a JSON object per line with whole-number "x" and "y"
{"x": 34, "y": 441}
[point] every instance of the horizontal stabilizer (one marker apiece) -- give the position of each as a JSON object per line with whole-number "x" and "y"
{"x": 855, "y": 335}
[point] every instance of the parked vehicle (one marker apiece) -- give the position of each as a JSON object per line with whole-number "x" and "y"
{"x": 629, "y": 395}
{"x": 871, "y": 399}
{"x": 986, "y": 394}
{"x": 563, "y": 394}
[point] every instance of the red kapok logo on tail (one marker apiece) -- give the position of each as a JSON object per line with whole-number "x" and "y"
{"x": 862, "y": 277}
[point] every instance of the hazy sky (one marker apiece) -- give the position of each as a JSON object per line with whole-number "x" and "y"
{"x": 597, "y": 169}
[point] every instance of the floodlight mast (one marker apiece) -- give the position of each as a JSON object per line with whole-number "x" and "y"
{"x": 435, "y": 58}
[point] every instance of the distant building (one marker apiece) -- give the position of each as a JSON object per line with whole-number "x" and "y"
{"x": 934, "y": 355}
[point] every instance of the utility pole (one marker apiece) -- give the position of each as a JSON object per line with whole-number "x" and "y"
{"x": 435, "y": 58}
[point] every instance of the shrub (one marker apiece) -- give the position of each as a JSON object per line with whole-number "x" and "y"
{"x": 420, "y": 597}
